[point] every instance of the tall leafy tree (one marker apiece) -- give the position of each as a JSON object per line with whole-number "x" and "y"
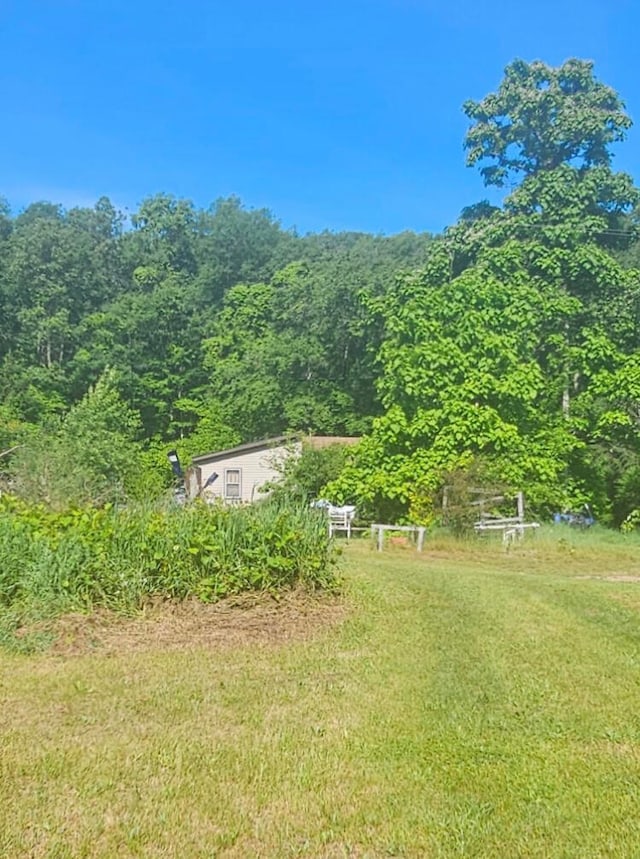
{"x": 237, "y": 245}
{"x": 542, "y": 117}
{"x": 57, "y": 267}
{"x": 498, "y": 349}
{"x": 297, "y": 352}
{"x": 153, "y": 339}
{"x": 165, "y": 231}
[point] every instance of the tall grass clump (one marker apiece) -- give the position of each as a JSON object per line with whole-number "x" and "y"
{"x": 118, "y": 558}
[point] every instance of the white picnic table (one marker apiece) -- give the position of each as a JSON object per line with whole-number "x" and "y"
{"x": 378, "y": 531}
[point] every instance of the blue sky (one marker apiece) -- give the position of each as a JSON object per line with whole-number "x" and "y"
{"x": 334, "y": 115}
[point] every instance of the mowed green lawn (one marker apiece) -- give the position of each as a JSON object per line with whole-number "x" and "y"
{"x": 471, "y": 703}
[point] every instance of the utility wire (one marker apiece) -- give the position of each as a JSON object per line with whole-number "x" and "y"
{"x": 606, "y": 231}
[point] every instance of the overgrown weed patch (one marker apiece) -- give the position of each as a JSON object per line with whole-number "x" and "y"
{"x": 120, "y": 559}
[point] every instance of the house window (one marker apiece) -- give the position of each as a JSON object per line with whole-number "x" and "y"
{"x": 232, "y": 483}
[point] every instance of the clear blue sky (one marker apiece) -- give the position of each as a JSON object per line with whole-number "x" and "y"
{"x": 336, "y": 115}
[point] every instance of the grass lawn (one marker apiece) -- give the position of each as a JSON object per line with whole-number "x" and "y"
{"x": 468, "y": 703}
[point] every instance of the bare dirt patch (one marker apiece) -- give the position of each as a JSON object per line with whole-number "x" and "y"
{"x": 249, "y": 619}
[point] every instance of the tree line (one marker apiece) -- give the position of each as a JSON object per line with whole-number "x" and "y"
{"x": 218, "y": 311}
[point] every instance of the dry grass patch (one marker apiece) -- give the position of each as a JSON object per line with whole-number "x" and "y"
{"x": 246, "y": 619}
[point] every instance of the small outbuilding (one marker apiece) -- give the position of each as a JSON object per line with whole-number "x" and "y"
{"x": 242, "y": 474}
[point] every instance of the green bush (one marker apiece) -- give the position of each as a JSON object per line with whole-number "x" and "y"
{"x": 118, "y": 558}
{"x": 90, "y": 456}
{"x": 304, "y": 477}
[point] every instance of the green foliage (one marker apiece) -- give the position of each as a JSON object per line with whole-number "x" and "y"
{"x": 631, "y": 522}
{"x": 89, "y": 456}
{"x": 12, "y": 429}
{"x": 288, "y": 355}
{"x": 542, "y": 117}
{"x": 468, "y": 491}
{"x": 464, "y": 375}
{"x": 304, "y": 477}
{"x": 518, "y": 342}
{"x": 171, "y": 306}
{"x": 166, "y": 229}
{"x": 490, "y": 380}
{"x": 119, "y": 557}
{"x": 152, "y": 338}
{"x": 508, "y": 361}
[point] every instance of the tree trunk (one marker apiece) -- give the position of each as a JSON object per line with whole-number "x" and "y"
{"x": 566, "y": 400}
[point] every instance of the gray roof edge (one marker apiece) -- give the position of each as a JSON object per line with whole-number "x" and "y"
{"x": 262, "y": 444}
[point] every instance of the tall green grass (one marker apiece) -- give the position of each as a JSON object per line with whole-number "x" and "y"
{"x": 118, "y": 558}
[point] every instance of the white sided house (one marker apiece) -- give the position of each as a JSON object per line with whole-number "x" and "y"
{"x": 242, "y": 474}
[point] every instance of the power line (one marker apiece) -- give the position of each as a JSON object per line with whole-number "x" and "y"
{"x": 606, "y": 231}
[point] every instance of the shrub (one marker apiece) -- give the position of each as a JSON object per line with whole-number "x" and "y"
{"x": 305, "y": 476}
{"x": 463, "y": 490}
{"x": 88, "y": 457}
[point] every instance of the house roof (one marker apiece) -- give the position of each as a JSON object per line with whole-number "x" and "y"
{"x": 263, "y": 444}
{"x": 317, "y": 442}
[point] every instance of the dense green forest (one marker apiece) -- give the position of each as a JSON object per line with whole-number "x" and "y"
{"x": 218, "y": 312}
{"x": 208, "y": 327}
{"x": 507, "y": 347}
